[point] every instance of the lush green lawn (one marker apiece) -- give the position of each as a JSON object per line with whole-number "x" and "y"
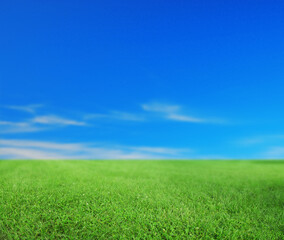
{"x": 141, "y": 199}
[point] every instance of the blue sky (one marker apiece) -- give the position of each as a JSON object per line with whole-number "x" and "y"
{"x": 142, "y": 79}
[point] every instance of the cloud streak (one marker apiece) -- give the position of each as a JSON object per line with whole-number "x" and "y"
{"x": 18, "y": 127}
{"x": 116, "y": 115}
{"x": 154, "y": 111}
{"x": 160, "y": 107}
{"x": 183, "y": 118}
{"x": 261, "y": 139}
{"x": 28, "y": 108}
{"x": 56, "y": 120}
{"x": 161, "y": 150}
{"x": 176, "y": 113}
{"x": 150, "y": 111}
{"x": 27, "y": 149}
{"x": 36, "y": 124}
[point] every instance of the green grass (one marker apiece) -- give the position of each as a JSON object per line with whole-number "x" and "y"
{"x": 141, "y": 199}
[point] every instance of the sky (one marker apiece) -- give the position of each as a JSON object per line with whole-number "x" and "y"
{"x": 117, "y": 79}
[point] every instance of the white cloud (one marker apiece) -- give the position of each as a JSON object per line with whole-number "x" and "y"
{"x": 18, "y": 127}
{"x": 56, "y": 120}
{"x": 160, "y": 107}
{"x": 27, "y": 153}
{"x": 161, "y": 150}
{"x": 154, "y": 110}
{"x": 117, "y": 115}
{"x": 171, "y": 112}
{"x": 40, "y": 144}
{"x": 27, "y": 149}
{"x": 177, "y": 113}
{"x": 36, "y": 124}
{"x": 28, "y": 108}
{"x": 261, "y": 139}
{"x": 183, "y": 118}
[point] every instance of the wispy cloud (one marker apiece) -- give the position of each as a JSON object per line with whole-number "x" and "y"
{"x": 27, "y": 153}
{"x": 160, "y": 107}
{"x": 262, "y": 139}
{"x": 18, "y": 127}
{"x": 56, "y": 120}
{"x": 36, "y": 124}
{"x": 263, "y": 146}
{"x": 161, "y": 150}
{"x": 154, "y": 110}
{"x": 40, "y": 145}
{"x": 183, "y": 118}
{"x": 26, "y": 149}
{"x": 150, "y": 111}
{"x": 176, "y": 113}
{"x": 27, "y": 108}
{"x": 116, "y": 115}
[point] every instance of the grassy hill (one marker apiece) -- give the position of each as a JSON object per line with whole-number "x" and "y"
{"x": 141, "y": 199}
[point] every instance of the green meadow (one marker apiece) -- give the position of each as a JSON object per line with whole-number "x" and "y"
{"x": 141, "y": 199}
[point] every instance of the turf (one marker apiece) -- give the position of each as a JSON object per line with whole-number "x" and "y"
{"x": 141, "y": 199}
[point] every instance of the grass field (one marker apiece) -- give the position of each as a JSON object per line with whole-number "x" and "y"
{"x": 141, "y": 199}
